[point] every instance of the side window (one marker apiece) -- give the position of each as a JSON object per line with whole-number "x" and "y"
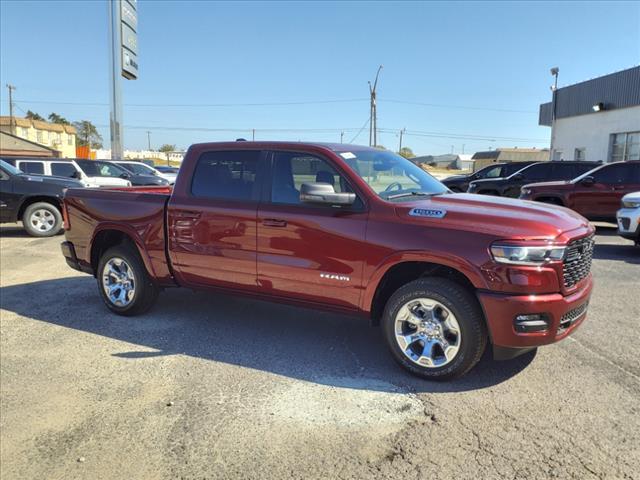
{"x": 36, "y": 168}
{"x": 291, "y": 170}
{"x": 537, "y": 172}
{"x": 62, "y": 169}
{"x": 564, "y": 171}
{"x": 228, "y": 175}
{"x": 494, "y": 172}
{"x": 3, "y": 176}
{"x": 512, "y": 168}
{"x": 613, "y": 174}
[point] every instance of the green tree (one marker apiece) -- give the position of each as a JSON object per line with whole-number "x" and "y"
{"x": 55, "y": 118}
{"x": 167, "y": 148}
{"x": 87, "y": 134}
{"x": 33, "y": 116}
{"x": 406, "y": 152}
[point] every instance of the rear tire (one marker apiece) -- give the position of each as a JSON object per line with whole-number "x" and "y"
{"x": 451, "y": 354}
{"x": 124, "y": 283}
{"x": 42, "y": 219}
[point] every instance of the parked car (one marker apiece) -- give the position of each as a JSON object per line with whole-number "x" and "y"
{"x": 139, "y": 168}
{"x": 628, "y": 217}
{"x": 103, "y": 168}
{"x": 460, "y": 183}
{"x": 70, "y": 168}
{"x": 595, "y": 194}
{"x": 537, "y": 172}
{"x": 346, "y": 228}
{"x": 33, "y": 199}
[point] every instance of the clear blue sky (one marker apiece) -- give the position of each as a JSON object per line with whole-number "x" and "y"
{"x": 478, "y": 55}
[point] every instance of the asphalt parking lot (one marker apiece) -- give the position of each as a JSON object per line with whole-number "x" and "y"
{"x": 209, "y": 386}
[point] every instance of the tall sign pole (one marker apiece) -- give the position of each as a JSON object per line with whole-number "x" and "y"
{"x": 123, "y": 26}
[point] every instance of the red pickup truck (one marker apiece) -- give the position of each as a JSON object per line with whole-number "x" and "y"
{"x": 347, "y": 228}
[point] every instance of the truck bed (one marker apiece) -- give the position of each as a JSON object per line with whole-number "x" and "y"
{"x": 138, "y": 212}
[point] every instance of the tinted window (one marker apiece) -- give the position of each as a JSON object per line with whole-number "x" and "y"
{"x": 229, "y": 175}
{"x": 513, "y": 168}
{"x": 564, "y": 171}
{"x": 492, "y": 172}
{"x": 98, "y": 168}
{"x": 583, "y": 168}
{"x": 536, "y": 172}
{"x": 291, "y": 170}
{"x": 63, "y": 169}
{"x": 610, "y": 174}
{"x": 32, "y": 167}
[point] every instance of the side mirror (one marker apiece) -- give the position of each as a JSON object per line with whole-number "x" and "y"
{"x": 518, "y": 176}
{"x": 125, "y": 175}
{"x": 588, "y": 181}
{"x": 77, "y": 175}
{"x": 324, "y": 193}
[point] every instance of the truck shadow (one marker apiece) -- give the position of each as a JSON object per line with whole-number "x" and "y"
{"x": 305, "y": 344}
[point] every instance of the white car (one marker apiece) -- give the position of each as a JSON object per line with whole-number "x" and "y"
{"x": 141, "y": 168}
{"x": 629, "y": 217}
{"x": 72, "y": 168}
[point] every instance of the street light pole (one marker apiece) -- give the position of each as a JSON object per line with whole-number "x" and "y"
{"x": 12, "y": 126}
{"x": 115, "y": 118}
{"x": 149, "y": 139}
{"x": 554, "y": 90}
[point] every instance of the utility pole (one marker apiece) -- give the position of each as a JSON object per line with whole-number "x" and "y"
{"x": 149, "y": 139}
{"x": 341, "y": 136}
{"x": 373, "y": 118}
{"x": 451, "y": 149}
{"x": 253, "y": 135}
{"x": 554, "y": 71}
{"x": 400, "y": 146}
{"x": 115, "y": 120}
{"x": 463, "y": 148}
{"x": 12, "y": 126}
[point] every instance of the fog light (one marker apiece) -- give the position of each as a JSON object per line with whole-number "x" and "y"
{"x": 531, "y": 322}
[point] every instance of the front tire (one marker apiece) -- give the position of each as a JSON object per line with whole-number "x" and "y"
{"x": 124, "y": 284}
{"x": 42, "y": 219}
{"x": 434, "y": 328}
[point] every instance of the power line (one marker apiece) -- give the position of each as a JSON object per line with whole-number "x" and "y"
{"x": 464, "y": 107}
{"x": 360, "y": 131}
{"x": 194, "y": 105}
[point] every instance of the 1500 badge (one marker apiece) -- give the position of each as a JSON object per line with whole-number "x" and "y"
{"x": 333, "y": 276}
{"x": 427, "y": 212}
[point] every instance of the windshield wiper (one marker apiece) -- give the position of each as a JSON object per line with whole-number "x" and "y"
{"x": 409, "y": 194}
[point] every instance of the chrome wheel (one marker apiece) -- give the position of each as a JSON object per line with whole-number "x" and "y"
{"x": 427, "y": 332}
{"x": 118, "y": 282}
{"x": 42, "y": 220}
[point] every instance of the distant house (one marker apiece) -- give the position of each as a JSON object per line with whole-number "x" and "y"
{"x": 61, "y": 138}
{"x": 450, "y": 161}
{"x": 507, "y": 155}
{"x": 14, "y": 146}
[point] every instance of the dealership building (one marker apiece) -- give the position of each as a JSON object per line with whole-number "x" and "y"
{"x": 597, "y": 120}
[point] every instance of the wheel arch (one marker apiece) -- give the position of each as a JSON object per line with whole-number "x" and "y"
{"x": 404, "y": 268}
{"x": 56, "y": 202}
{"x": 109, "y": 236}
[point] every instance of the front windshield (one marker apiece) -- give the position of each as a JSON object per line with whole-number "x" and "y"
{"x": 391, "y": 176}
{"x": 97, "y": 168}
{"x": 7, "y": 167}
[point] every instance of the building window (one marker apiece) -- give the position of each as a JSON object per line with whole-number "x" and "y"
{"x": 625, "y": 146}
{"x": 24, "y": 132}
{"x": 69, "y": 139}
{"x": 39, "y": 136}
{"x": 557, "y": 155}
{"x": 580, "y": 154}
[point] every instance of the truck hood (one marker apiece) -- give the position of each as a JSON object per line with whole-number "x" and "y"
{"x": 501, "y": 217}
{"x": 456, "y": 177}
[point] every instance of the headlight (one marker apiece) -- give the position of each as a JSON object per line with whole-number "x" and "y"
{"x": 631, "y": 204}
{"x": 526, "y": 254}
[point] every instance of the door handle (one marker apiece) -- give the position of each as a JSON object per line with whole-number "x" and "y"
{"x": 274, "y": 222}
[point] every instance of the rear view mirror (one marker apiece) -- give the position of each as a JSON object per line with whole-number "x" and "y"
{"x": 324, "y": 193}
{"x": 588, "y": 181}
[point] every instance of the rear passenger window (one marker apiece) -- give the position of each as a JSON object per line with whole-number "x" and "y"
{"x": 564, "y": 171}
{"x": 227, "y": 175}
{"x": 537, "y": 172}
{"x": 63, "y": 169}
{"x": 36, "y": 168}
{"x": 619, "y": 173}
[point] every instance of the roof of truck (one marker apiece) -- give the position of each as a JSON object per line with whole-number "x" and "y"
{"x": 336, "y": 147}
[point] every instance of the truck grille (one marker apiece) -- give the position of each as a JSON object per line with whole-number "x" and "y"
{"x": 571, "y": 316}
{"x": 577, "y": 261}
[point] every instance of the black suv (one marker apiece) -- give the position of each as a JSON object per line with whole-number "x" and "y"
{"x": 34, "y": 199}
{"x": 537, "y": 172}
{"x": 460, "y": 183}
